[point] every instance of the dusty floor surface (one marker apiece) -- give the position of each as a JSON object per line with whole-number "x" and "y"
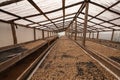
{"x": 67, "y": 61}
{"x": 109, "y": 52}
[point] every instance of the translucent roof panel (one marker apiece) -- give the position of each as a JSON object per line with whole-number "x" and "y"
{"x": 70, "y": 2}
{"x": 42, "y": 23}
{"x": 39, "y": 27}
{"x": 96, "y": 20}
{"x": 6, "y": 17}
{"x": 105, "y": 3}
{"x": 68, "y": 19}
{"x": 73, "y": 9}
{"x": 51, "y": 26}
{"x": 22, "y": 8}
{"x": 117, "y": 21}
{"x": 59, "y": 22}
{"x": 34, "y": 25}
{"x": 80, "y": 20}
{"x": 42, "y": 27}
{"x": 107, "y": 15}
{"x": 93, "y": 27}
{"x": 57, "y": 19}
{"x": 55, "y": 14}
{"x": 106, "y": 29}
{"x": 70, "y": 16}
{"x": 107, "y": 24}
{"x": 116, "y": 27}
{"x": 116, "y": 8}
{"x": 98, "y": 26}
{"x": 83, "y": 16}
{"x": 24, "y": 22}
{"x": 94, "y": 10}
{"x": 37, "y": 18}
{"x": 90, "y": 24}
{"x": 48, "y": 5}
{"x": 3, "y": 1}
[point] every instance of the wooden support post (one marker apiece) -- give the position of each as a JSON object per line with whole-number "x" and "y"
{"x": 112, "y": 35}
{"x": 48, "y": 33}
{"x": 14, "y": 33}
{"x": 89, "y": 34}
{"x": 34, "y": 33}
{"x": 75, "y": 28}
{"x": 52, "y": 33}
{"x": 98, "y": 35}
{"x": 66, "y": 33}
{"x": 72, "y": 30}
{"x": 93, "y": 35}
{"x": 85, "y": 22}
{"x": 69, "y": 32}
{"x": 43, "y": 34}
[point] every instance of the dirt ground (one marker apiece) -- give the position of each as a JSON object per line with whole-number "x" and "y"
{"x": 67, "y": 61}
{"x": 102, "y": 49}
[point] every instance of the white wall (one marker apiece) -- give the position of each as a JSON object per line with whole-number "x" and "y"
{"x": 24, "y": 34}
{"x": 105, "y": 35}
{"x": 45, "y": 34}
{"x": 87, "y": 35}
{"x": 116, "y": 36}
{"x": 61, "y": 34}
{"x": 95, "y": 35}
{"x": 6, "y": 37}
{"x": 38, "y": 34}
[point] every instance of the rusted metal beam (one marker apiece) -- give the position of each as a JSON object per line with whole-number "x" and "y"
{"x": 13, "y": 33}
{"x": 85, "y": 22}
